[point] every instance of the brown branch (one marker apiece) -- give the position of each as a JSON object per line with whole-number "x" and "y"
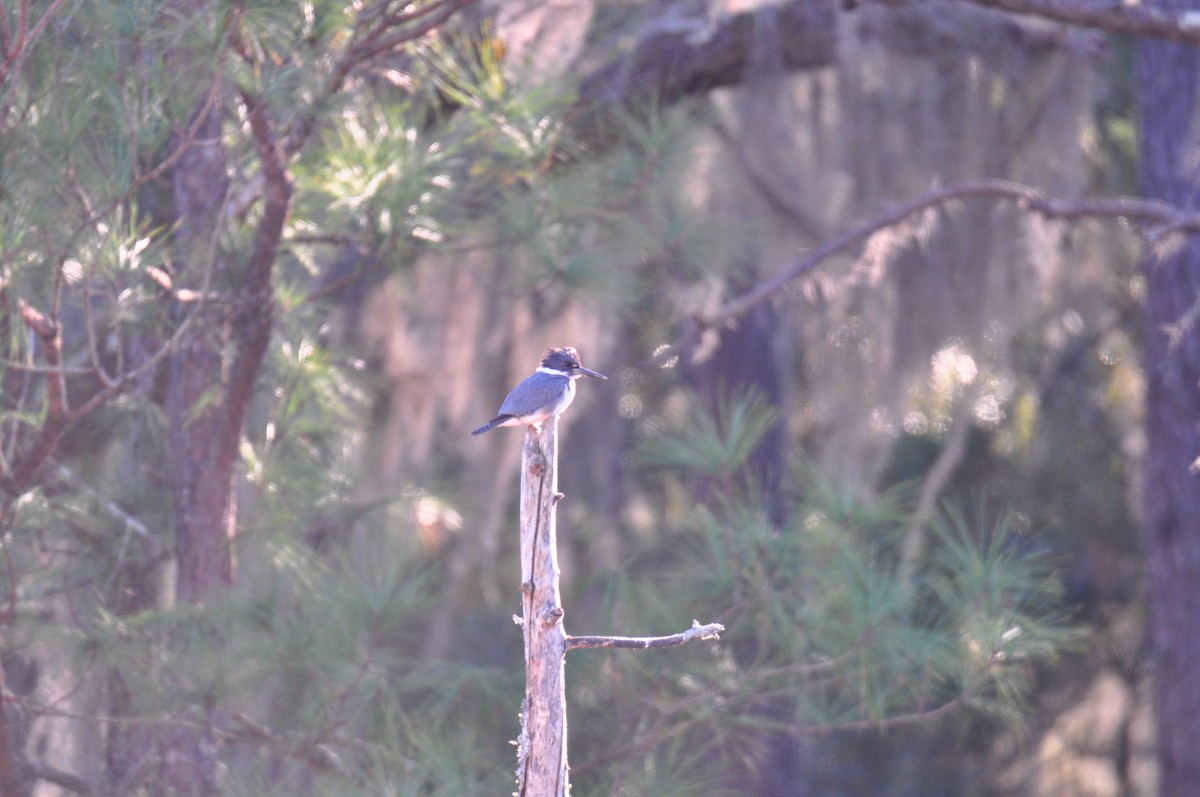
{"x": 408, "y": 14}
{"x": 254, "y": 313}
{"x": 278, "y": 191}
{"x": 693, "y": 55}
{"x": 13, "y": 47}
{"x": 42, "y": 327}
{"x": 187, "y": 138}
{"x": 30, "y": 462}
{"x": 1131, "y": 19}
{"x": 367, "y": 41}
{"x": 697, "y": 631}
{"x": 72, "y": 783}
{"x": 1160, "y": 217}
{"x": 361, "y": 49}
{"x": 16, "y": 48}
{"x": 430, "y": 16}
{"x": 205, "y": 444}
{"x": 90, "y": 218}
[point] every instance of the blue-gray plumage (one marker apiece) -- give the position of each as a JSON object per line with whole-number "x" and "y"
{"x": 549, "y": 391}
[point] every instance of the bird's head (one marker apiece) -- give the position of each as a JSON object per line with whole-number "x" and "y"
{"x": 565, "y": 361}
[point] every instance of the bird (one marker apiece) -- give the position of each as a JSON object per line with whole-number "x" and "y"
{"x": 545, "y": 393}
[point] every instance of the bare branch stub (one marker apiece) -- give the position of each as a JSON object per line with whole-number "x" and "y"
{"x": 711, "y": 631}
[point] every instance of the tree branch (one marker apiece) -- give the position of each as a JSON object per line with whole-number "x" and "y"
{"x": 254, "y": 313}
{"x": 1160, "y": 218}
{"x": 405, "y": 27}
{"x": 675, "y": 57}
{"x": 697, "y": 631}
{"x": 1131, "y": 19}
{"x": 367, "y": 41}
{"x": 65, "y": 780}
{"x": 29, "y": 462}
{"x": 14, "y": 49}
{"x": 364, "y": 45}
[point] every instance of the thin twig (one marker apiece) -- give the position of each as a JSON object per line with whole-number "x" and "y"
{"x": 943, "y": 468}
{"x": 881, "y": 724}
{"x": 697, "y": 631}
{"x": 29, "y": 368}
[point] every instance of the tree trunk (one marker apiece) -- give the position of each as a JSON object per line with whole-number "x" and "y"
{"x": 199, "y": 475}
{"x": 542, "y": 752}
{"x": 211, "y": 378}
{"x": 1167, "y": 76}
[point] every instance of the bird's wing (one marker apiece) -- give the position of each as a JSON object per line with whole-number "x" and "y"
{"x": 535, "y": 394}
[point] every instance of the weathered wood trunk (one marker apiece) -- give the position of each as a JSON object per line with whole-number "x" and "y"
{"x": 542, "y": 751}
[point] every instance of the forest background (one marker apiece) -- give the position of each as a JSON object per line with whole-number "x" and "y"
{"x": 897, "y": 299}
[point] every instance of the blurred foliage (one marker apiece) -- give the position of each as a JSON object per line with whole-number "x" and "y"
{"x": 821, "y": 636}
{"x": 316, "y": 661}
{"x": 714, "y": 444}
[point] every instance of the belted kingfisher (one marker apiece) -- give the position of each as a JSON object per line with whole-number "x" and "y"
{"x": 549, "y": 391}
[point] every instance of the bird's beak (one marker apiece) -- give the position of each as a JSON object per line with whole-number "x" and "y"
{"x": 590, "y": 372}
